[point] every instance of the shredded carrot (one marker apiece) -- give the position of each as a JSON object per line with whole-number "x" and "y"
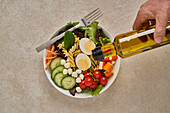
{"x": 52, "y": 48}
{"x": 50, "y": 58}
{"x": 108, "y": 74}
{"x": 52, "y": 52}
{"x": 48, "y": 54}
{"x": 48, "y": 64}
{"x": 108, "y": 67}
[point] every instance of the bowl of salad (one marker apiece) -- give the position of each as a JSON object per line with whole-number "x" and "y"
{"x": 69, "y": 64}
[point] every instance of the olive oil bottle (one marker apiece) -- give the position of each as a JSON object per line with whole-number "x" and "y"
{"x": 131, "y": 43}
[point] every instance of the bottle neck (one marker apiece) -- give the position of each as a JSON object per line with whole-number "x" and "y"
{"x": 100, "y": 53}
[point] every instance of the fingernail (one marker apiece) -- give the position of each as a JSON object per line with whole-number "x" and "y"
{"x": 158, "y": 39}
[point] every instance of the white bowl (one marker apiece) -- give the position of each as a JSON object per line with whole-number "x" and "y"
{"x": 84, "y": 95}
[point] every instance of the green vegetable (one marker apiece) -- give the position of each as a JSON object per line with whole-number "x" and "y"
{"x": 68, "y": 40}
{"x": 104, "y": 40}
{"x": 83, "y": 28}
{"x": 87, "y": 90}
{"x": 60, "y": 41}
{"x": 91, "y": 31}
{"x": 70, "y": 24}
{"x": 97, "y": 90}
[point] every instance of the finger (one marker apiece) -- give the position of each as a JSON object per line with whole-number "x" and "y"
{"x": 143, "y": 17}
{"x": 160, "y": 30}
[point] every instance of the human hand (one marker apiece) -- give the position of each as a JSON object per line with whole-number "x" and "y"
{"x": 157, "y": 10}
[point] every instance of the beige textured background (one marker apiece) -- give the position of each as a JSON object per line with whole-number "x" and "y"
{"x": 143, "y": 82}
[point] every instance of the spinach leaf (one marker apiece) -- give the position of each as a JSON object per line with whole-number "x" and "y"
{"x": 68, "y": 40}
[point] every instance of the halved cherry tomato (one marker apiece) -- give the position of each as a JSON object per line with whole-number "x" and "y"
{"x": 87, "y": 74}
{"x": 103, "y": 80}
{"x": 82, "y": 85}
{"x": 94, "y": 85}
{"x": 97, "y": 74}
{"x": 88, "y": 81}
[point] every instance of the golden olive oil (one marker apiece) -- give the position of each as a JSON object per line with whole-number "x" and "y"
{"x": 131, "y": 43}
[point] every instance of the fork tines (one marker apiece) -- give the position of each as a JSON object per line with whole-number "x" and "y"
{"x": 91, "y": 17}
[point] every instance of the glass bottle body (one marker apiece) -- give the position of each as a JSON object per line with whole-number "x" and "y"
{"x": 134, "y": 42}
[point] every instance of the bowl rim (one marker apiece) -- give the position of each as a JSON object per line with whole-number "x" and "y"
{"x": 48, "y": 71}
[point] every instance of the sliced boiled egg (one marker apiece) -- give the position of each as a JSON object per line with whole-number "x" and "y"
{"x": 86, "y": 46}
{"x": 83, "y": 61}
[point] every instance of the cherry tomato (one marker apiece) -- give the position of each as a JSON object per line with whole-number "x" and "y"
{"x": 103, "y": 80}
{"x": 88, "y": 81}
{"x": 82, "y": 85}
{"x": 97, "y": 74}
{"x": 87, "y": 74}
{"x": 94, "y": 85}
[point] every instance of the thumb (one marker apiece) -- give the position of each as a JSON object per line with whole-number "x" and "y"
{"x": 160, "y": 30}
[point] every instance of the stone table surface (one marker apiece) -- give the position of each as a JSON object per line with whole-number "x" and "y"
{"x": 143, "y": 82}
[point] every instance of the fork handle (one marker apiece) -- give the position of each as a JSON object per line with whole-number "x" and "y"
{"x": 53, "y": 40}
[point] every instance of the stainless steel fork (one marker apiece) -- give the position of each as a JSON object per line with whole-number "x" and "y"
{"x": 87, "y": 20}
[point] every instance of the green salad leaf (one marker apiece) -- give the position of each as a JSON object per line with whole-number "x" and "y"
{"x": 71, "y": 24}
{"x": 93, "y": 92}
{"x": 87, "y": 90}
{"x": 60, "y": 41}
{"x": 91, "y": 31}
{"x": 97, "y": 90}
{"x": 104, "y": 40}
{"x": 68, "y": 40}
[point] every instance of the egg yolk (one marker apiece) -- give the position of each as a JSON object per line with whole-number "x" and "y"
{"x": 89, "y": 46}
{"x": 83, "y": 64}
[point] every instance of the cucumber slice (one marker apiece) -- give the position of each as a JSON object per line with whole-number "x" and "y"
{"x": 68, "y": 82}
{"x": 57, "y": 79}
{"x": 55, "y": 62}
{"x": 56, "y": 70}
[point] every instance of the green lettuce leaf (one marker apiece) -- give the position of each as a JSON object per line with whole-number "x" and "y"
{"x": 104, "y": 40}
{"x": 93, "y": 92}
{"x": 97, "y": 90}
{"x": 87, "y": 90}
{"x": 91, "y": 31}
{"x": 68, "y": 40}
{"x": 71, "y": 24}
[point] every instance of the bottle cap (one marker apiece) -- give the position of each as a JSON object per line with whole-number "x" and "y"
{"x": 97, "y": 53}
